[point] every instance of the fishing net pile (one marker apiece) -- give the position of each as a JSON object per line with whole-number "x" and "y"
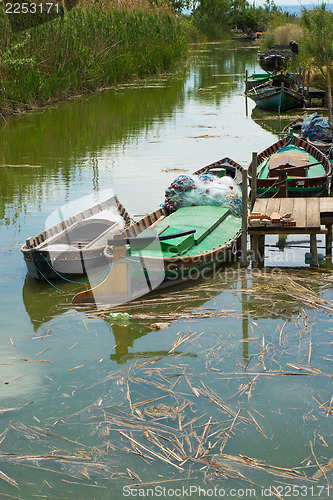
{"x": 315, "y": 128}
{"x": 204, "y": 189}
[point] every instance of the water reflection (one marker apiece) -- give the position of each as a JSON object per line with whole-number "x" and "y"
{"x": 43, "y": 302}
{"x": 186, "y": 302}
{"x": 60, "y": 141}
{"x": 264, "y": 352}
{"x": 211, "y": 83}
{"x": 68, "y": 140}
{"x": 271, "y": 122}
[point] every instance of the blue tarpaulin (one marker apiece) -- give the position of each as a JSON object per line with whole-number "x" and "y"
{"x": 315, "y": 128}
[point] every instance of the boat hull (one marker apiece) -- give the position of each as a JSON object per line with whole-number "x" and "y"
{"x": 272, "y": 62}
{"x": 275, "y": 99}
{"x": 215, "y": 243}
{"x": 45, "y": 266}
{"x": 48, "y": 261}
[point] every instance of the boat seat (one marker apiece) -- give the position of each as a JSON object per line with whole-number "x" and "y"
{"x": 296, "y": 159}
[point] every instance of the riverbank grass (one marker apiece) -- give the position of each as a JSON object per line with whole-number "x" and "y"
{"x": 92, "y": 46}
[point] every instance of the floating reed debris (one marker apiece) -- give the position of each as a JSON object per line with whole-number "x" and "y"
{"x": 186, "y": 418}
{"x": 185, "y": 337}
{"x": 8, "y": 479}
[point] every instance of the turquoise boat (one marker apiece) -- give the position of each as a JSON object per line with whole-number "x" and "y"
{"x": 275, "y": 98}
{"x": 262, "y": 80}
{"x": 307, "y": 169}
{"x": 256, "y": 79}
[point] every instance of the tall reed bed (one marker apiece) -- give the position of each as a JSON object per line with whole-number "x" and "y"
{"x": 95, "y": 45}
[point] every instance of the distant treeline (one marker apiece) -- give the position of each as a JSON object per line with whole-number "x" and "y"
{"x": 92, "y": 46}
{"x": 215, "y": 18}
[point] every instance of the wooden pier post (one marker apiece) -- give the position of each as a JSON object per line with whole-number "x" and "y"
{"x": 261, "y": 251}
{"x": 244, "y": 219}
{"x": 254, "y": 179}
{"x": 246, "y": 79}
{"x": 313, "y": 249}
{"x": 328, "y": 240}
{"x": 255, "y": 250}
{"x": 258, "y": 250}
{"x": 283, "y": 184}
{"x": 303, "y": 81}
{"x": 308, "y": 85}
{"x": 245, "y": 317}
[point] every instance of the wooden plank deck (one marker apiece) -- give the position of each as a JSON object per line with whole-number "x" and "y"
{"x": 310, "y": 214}
{"x": 305, "y": 211}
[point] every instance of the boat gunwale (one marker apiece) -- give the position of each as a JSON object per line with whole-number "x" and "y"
{"x": 63, "y": 225}
{"x": 264, "y": 95}
{"x": 139, "y": 226}
{"x": 300, "y": 143}
{"x": 217, "y": 163}
{"x": 196, "y": 258}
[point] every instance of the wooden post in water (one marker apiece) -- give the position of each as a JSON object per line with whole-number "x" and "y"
{"x": 245, "y": 318}
{"x": 328, "y": 240}
{"x": 254, "y": 179}
{"x": 258, "y": 250}
{"x": 246, "y": 89}
{"x": 313, "y": 249}
{"x": 308, "y": 85}
{"x": 255, "y": 250}
{"x": 303, "y": 81}
{"x": 244, "y": 220}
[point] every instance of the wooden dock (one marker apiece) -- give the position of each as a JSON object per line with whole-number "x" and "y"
{"x": 312, "y": 215}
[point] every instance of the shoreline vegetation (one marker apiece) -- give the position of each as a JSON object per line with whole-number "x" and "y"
{"x": 100, "y": 44}
{"x": 313, "y": 31}
{"x": 94, "y": 46}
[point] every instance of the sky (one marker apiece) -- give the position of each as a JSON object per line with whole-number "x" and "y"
{"x": 302, "y": 3}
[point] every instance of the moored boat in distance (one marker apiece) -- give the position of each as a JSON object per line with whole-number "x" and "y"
{"x": 279, "y": 93}
{"x": 306, "y": 169}
{"x": 256, "y": 79}
{"x": 276, "y": 58}
{"x": 272, "y": 60}
{"x": 276, "y": 98}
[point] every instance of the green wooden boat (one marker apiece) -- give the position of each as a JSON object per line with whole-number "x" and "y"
{"x": 190, "y": 243}
{"x": 275, "y": 98}
{"x": 256, "y": 79}
{"x": 307, "y": 168}
{"x": 276, "y": 94}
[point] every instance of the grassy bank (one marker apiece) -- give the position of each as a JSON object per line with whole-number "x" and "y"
{"x": 93, "y": 46}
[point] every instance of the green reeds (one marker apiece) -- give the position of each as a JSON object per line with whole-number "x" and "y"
{"x": 92, "y": 46}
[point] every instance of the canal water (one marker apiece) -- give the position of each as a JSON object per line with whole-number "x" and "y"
{"x": 233, "y": 397}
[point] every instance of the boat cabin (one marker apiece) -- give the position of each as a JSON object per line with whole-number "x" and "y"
{"x": 296, "y": 164}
